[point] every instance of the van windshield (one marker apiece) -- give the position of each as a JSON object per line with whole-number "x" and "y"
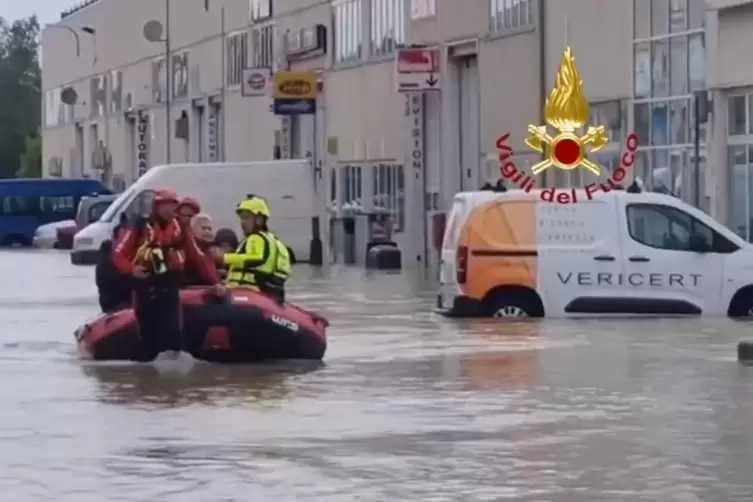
{"x": 118, "y": 206}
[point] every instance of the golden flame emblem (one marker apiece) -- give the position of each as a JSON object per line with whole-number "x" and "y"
{"x": 567, "y": 111}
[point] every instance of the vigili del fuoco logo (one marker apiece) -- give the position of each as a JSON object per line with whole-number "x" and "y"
{"x": 566, "y": 112}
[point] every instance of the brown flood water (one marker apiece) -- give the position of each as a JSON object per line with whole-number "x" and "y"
{"x": 408, "y": 406}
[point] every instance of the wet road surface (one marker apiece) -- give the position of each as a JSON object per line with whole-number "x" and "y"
{"x": 407, "y": 407}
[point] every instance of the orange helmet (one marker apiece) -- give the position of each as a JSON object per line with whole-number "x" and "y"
{"x": 165, "y": 196}
{"x": 190, "y": 202}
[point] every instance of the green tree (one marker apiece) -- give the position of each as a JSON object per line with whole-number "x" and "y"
{"x": 31, "y": 159}
{"x": 20, "y": 91}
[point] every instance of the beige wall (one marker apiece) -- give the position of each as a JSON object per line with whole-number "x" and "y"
{"x": 365, "y": 112}
{"x": 362, "y": 108}
{"x": 510, "y": 90}
{"x": 119, "y": 34}
{"x": 454, "y": 21}
{"x": 600, "y": 33}
{"x": 360, "y": 105}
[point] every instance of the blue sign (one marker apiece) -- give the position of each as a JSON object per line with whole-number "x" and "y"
{"x": 294, "y": 106}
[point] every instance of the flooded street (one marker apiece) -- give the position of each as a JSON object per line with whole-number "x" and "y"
{"x": 407, "y": 407}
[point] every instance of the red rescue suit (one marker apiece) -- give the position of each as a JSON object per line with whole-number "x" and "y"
{"x": 165, "y": 249}
{"x": 177, "y": 247}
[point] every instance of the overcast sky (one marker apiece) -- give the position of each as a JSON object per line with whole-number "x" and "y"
{"x": 48, "y": 11}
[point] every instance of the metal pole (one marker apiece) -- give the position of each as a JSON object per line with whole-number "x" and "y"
{"x": 424, "y": 186}
{"x": 697, "y": 151}
{"x": 168, "y": 83}
{"x": 317, "y": 225}
{"x": 223, "y": 83}
{"x": 73, "y": 32}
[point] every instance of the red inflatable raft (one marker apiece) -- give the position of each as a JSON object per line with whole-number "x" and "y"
{"x": 247, "y": 327}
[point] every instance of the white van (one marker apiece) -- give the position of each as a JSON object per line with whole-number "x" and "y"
{"x": 285, "y": 184}
{"x": 512, "y": 254}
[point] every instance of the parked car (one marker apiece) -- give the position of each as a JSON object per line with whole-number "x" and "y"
{"x": 59, "y": 235}
{"x": 46, "y": 236}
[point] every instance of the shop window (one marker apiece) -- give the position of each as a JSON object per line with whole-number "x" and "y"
{"x": 697, "y": 62}
{"x": 737, "y": 113}
{"x": 659, "y": 17}
{"x": 678, "y": 15}
{"x": 351, "y": 176}
{"x": 388, "y": 182}
{"x": 642, "y": 69}
{"x": 642, "y": 17}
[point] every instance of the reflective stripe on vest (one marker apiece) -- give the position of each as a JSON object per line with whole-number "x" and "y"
{"x": 252, "y": 276}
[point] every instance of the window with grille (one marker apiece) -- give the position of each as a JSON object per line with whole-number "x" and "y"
{"x": 348, "y": 29}
{"x": 511, "y": 14}
{"x": 387, "y": 26}
{"x": 388, "y": 182}
{"x": 421, "y": 9}
{"x": 263, "y": 46}
{"x": 237, "y": 57}
{"x": 180, "y": 75}
{"x": 159, "y": 80}
{"x": 259, "y": 10}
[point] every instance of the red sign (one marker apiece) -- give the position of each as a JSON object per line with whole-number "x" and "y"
{"x": 418, "y": 60}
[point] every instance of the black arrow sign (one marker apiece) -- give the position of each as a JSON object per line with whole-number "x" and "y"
{"x": 432, "y": 81}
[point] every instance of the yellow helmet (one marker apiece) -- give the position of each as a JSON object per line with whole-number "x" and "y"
{"x": 253, "y": 205}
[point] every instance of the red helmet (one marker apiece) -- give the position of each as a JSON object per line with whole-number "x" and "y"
{"x": 165, "y": 196}
{"x": 190, "y": 202}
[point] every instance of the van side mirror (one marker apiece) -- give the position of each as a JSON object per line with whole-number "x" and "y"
{"x": 698, "y": 244}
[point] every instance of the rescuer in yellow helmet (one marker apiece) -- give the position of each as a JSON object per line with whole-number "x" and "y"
{"x": 262, "y": 261}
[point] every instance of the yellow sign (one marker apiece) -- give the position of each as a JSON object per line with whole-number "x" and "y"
{"x": 295, "y": 85}
{"x": 567, "y": 111}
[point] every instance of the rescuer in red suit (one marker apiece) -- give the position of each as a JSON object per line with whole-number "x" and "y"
{"x": 156, "y": 252}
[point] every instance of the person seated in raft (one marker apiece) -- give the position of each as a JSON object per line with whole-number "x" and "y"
{"x": 114, "y": 288}
{"x": 262, "y": 261}
{"x": 224, "y": 242}
{"x": 188, "y": 207}
{"x": 202, "y": 231}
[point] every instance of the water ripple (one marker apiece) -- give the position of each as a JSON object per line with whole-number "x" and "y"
{"x": 408, "y": 407}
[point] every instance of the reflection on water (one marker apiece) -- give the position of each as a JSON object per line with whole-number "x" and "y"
{"x": 408, "y": 406}
{"x": 207, "y": 384}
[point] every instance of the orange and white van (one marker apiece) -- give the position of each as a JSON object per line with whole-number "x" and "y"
{"x": 512, "y": 254}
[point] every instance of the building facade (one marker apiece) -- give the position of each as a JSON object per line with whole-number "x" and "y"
{"x": 643, "y": 62}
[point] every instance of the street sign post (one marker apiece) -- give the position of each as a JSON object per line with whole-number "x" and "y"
{"x": 295, "y": 93}
{"x": 417, "y": 70}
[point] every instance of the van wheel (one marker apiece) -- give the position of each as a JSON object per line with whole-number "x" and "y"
{"x": 511, "y": 305}
{"x": 742, "y": 306}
